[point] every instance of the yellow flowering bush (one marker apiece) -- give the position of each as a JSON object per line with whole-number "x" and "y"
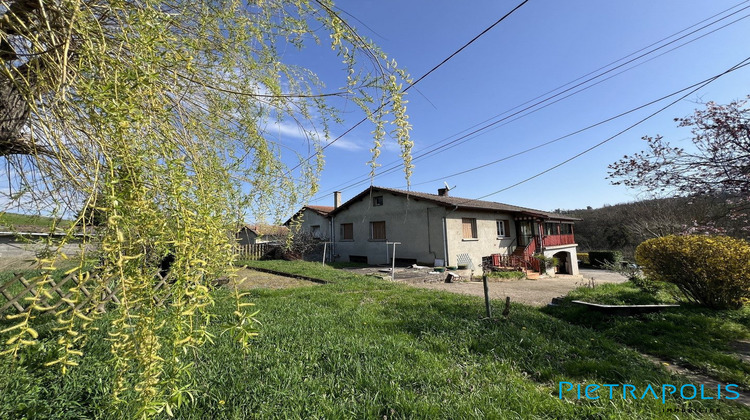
{"x": 710, "y": 270}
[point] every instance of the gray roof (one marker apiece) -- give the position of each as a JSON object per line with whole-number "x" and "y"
{"x": 460, "y": 203}
{"x": 321, "y": 210}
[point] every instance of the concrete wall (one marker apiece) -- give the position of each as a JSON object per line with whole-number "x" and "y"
{"x": 572, "y": 259}
{"x": 426, "y": 231}
{"x": 246, "y": 237}
{"x": 311, "y": 218}
{"x": 487, "y": 241}
{"x": 415, "y": 223}
{"x": 419, "y": 226}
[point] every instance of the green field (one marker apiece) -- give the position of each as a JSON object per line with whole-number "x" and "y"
{"x": 11, "y": 220}
{"x": 360, "y": 347}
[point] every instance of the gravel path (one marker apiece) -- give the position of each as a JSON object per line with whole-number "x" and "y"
{"x": 531, "y": 292}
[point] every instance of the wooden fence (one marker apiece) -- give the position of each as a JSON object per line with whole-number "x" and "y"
{"x": 253, "y": 251}
{"x": 516, "y": 261}
{"x": 63, "y": 292}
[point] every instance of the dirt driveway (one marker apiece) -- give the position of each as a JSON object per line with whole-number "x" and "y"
{"x": 531, "y": 292}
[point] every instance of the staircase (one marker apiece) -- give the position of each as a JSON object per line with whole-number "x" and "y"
{"x": 522, "y": 258}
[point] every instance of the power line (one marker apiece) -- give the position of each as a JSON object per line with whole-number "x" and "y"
{"x": 439, "y": 147}
{"x": 737, "y": 66}
{"x": 622, "y": 114}
{"x": 349, "y": 130}
{"x": 699, "y": 84}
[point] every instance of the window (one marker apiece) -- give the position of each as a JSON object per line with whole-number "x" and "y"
{"x": 566, "y": 229}
{"x": 551, "y": 228}
{"x": 347, "y": 231}
{"x": 377, "y": 201}
{"x": 377, "y": 231}
{"x": 503, "y": 228}
{"x": 469, "y": 228}
{"x": 315, "y": 231}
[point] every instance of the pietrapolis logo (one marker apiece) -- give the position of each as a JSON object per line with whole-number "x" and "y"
{"x": 660, "y": 392}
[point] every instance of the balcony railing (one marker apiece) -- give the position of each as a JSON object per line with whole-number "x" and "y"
{"x": 552, "y": 240}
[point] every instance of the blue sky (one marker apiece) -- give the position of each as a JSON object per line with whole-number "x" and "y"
{"x": 542, "y": 46}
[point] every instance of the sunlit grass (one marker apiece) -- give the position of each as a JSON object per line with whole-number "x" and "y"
{"x": 360, "y": 347}
{"x": 696, "y": 337}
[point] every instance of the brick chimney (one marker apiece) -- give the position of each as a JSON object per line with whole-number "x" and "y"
{"x": 443, "y": 192}
{"x": 336, "y": 199}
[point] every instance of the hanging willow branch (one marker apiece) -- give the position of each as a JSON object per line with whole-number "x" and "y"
{"x": 151, "y": 116}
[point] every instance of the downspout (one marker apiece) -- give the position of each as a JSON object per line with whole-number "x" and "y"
{"x": 445, "y": 235}
{"x": 333, "y": 240}
{"x": 445, "y": 244}
{"x": 429, "y": 236}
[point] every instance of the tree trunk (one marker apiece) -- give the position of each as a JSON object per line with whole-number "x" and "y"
{"x": 14, "y": 112}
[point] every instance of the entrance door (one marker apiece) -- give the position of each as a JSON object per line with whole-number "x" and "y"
{"x": 525, "y": 232}
{"x": 563, "y": 266}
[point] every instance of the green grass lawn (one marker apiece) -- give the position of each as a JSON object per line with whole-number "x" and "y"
{"x": 41, "y": 222}
{"x": 692, "y": 336}
{"x": 361, "y": 347}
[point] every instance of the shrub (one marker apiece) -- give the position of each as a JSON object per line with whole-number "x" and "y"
{"x": 546, "y": 262}
{"x": 633, "y": 273}
{"x": 712, "y": 271}
{"x": 583, "y": 257}
{"x": 517, "y": 275}
{"x": 597, "y": 258}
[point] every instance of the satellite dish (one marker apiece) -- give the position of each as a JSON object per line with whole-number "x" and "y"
{"x": 448, "y": 187}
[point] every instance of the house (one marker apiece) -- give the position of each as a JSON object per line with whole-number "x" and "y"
{"x": 315, "y": 220}
{"x": 258, "y": 234}
{"x": 444, "y": 230}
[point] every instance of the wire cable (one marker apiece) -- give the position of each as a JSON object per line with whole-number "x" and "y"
{"x": 349, "y": 130}
{"x": 737, "y": 66}
{"x": 389, "y": 168}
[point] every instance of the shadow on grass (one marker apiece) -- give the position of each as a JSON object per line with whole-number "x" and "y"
{"x": 693, "y": 336}
{"x": 541, "y": 346}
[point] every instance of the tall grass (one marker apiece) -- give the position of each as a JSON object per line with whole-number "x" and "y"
{"x": 360, "y": 347}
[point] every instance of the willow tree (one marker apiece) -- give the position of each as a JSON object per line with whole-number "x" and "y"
{"x": 154, "y": 115}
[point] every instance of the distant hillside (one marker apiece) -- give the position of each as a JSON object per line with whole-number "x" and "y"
{"x": 624, "y": 226}
{"x": 28, "y": 223}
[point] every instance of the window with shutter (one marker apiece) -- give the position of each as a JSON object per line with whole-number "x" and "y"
{"x": 347, "y": 232}
{"x": 469, "y": 228}
{"x": 377, "y": 231}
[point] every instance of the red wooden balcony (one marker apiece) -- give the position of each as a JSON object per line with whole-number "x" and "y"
{"x": 553, "y": 240}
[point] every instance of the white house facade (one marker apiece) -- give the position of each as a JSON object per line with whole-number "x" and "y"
{"x": 440, "y": 229}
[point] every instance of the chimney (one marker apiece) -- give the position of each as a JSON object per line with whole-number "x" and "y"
{"x": 336, "y": 199}
{"x": 443, "y": 192}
